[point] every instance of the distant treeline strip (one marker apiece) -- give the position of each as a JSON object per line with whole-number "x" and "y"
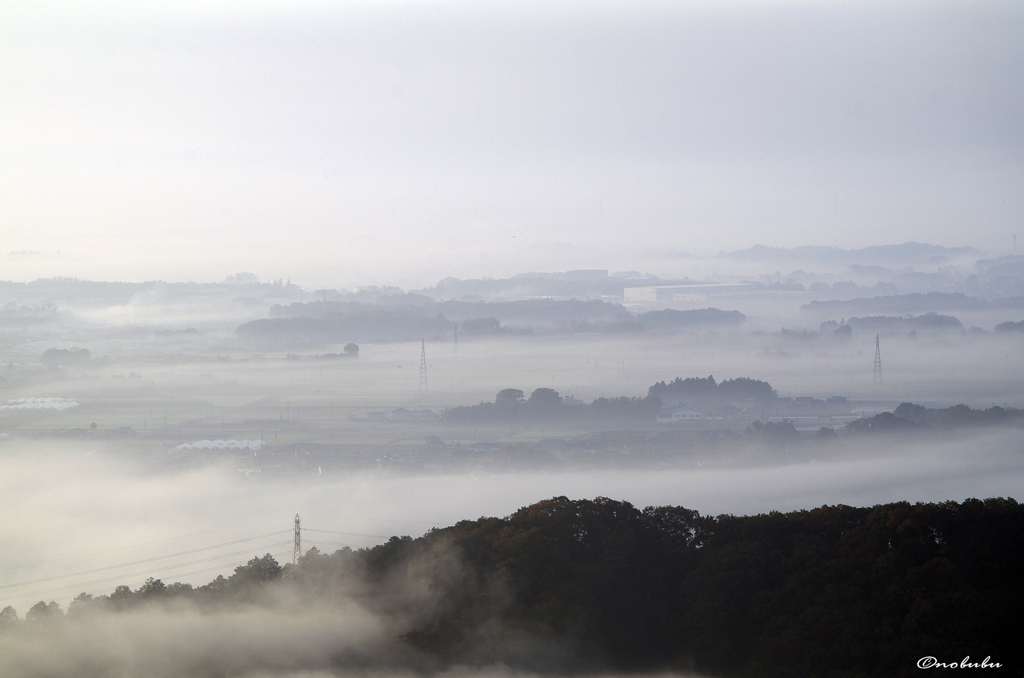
{"x": 342, "y": 321}
{"x": 547, "y": 404}
{"x": 916, "y": 302}
{"x": 909, "y": 417}
{"x": 739, "y": 389}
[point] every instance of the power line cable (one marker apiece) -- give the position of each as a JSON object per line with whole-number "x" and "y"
{"x": 145, "y": 560}
{"x": 148, "y": 572}
{"x": 130, "y": 546}
{"x": 347, "y": 534}
{"x": 108, "y": 591}
{"x": 377, "y": 520}
{"x": 159, "y": 569}
{"x": 217, "y": 567}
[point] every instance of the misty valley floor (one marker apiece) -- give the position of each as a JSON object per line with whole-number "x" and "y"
{"x": 163, "y": 457}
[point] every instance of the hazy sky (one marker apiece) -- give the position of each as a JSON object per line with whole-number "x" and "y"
{"x": 353, "y": 143}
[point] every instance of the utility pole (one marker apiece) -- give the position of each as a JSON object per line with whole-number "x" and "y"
{"x": 423, "y": 365}
{"x": 456, "y": 338}
{"x": 297, "y": 549}
{"x": 877, "y": 375}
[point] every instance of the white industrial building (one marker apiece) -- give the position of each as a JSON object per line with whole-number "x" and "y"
{"x": 40, "y": 404}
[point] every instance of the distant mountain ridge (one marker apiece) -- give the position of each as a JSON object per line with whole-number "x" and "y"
{"x": 904, "y": 253}
{"x": 915, "y": 303}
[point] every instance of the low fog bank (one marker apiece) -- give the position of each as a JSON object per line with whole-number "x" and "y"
{"x": 72, "y": 509}
{"x": 291, "y": 636}
{"x": 178, "y": 640}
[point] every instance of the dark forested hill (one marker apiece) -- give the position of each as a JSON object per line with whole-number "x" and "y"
{"x": 567, "y": 585}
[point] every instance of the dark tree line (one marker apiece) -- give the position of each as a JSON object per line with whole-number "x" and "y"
{"x": 411, "y": 316}
{"x": 588, "y": 585}
{"x": 909, "y": 417}
{"x": 66, "y": 357}
{"x": 510, "y": 406}
{"x": 733, "y": 390}
{"x": 1008, "y": 327}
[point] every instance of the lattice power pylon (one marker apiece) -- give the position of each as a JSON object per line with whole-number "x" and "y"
{"x": 877, "y": 375}
{"x": 297, "y": 549}
{"x": 423, "y": 365}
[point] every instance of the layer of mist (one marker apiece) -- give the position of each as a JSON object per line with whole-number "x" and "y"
{"x": 152, "y": 440}
{"x": 67, "y": 506}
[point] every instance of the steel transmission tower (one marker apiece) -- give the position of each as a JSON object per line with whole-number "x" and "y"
{"x": 297, "y": 549}
{"x": 877, "y": 376}
{"x": 423, "y": 365}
